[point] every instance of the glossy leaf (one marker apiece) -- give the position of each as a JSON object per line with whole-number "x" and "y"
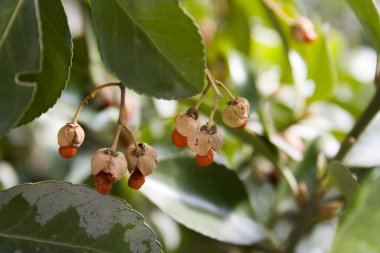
{"x": 358, "y": 230}
{"x": 365, "y": 152}
{"x": 56, "y": 58}
{"x": 210, "y": 200}
{"x": 341, "y": 178}
{"x": 61, "y": 217}
{"x": 19, "y": 52}
{"x": 36, "y": 48}
{"x": 368, "y": 15}
{"x": 152, "y": 46}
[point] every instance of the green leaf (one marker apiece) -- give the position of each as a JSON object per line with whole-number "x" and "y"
{"x": 36, "y": 47}
{"x": 365, "y": 152}
{"x": 61, "y": 217}
{"x": 321, "y": 66}
{"x": 152, "y": 46}
{"x": 211, "y": 200}
{"x": 56, "y": 58}
{"x": 368, "y": 15}
{"x": 341, "y": 178}
{"x": 358, "y": 231}
{"x": 19, "y": 52}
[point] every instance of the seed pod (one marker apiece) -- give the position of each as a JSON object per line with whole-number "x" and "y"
{"x": 71, "y": 135}
{"x": 235, "y": 115}
{"x": 108, "y": 161}
{"x": 136, "y": 180}
{"x": 303, "y": 30}
{"x": 203, "y": 140}
{"x": 187, "y": 122}
{"x": 199, "y": 142}
{"x": 103, "y": 182}
{"x": 144, "y": 158}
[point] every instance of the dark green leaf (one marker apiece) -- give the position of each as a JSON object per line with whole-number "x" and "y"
{"x": 358, "y": 232}
{"x": 210, "y": 200}
{"x": 56, "y": 58}
{"x": 341, "y": 178}
{"x": 368, "y": 15}
{"x": 19, "y": 52}
{"x": 152, "y": 46}
{"x": 61, "y": 217}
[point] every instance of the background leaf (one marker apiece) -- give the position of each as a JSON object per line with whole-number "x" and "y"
{"x": 211, "y": 201}
{"x": 56, "y": 58}
{"x": 365, "y": 152}
{"x": 341, "y": 177}
{"x": 145, "y": 49}
{"x": 18, "y": 35}
{"x": 358, "y": 230}
{"x": 61, "y": 217}
{"x": 368, "y": 15}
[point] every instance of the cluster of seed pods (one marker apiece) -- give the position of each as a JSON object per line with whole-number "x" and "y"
{"x": 109, "y": 165}
{"x": 203, "y": 140}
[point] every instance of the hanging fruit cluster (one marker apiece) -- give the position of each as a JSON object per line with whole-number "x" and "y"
{"x": 109, "y": 165}
{"x": 203, "y": 140}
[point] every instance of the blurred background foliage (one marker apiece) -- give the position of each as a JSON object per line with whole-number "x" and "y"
{"x": 304, "y": 99}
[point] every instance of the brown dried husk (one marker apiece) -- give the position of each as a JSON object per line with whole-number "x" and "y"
{"x": 216, "y": 141}
{"x": 231, "y": 118}
{"x": 146, "y": 160}
{"x": 71, "y": 135}
{"x": 185, "y": 124}
{"x": 106, "y": 160}
{"x": 199, "y": 142}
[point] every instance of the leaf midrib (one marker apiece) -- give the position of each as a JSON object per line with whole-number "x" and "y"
{"x": 182, "y": 75}
{"x": 31, "y": 239}
{"x": 10, "y": 23}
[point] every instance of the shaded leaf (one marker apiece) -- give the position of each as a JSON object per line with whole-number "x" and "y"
{"x": 368, "y": 15}
{"x": 211, "y": 201}
{"x": 56, "y": 58}
{"x": 341, "y": 178}
{"x": 61, "y": 217}
{"x": 19, "y": 52}
{"x": 358, "y": 230}
{"x": 145, "y": 49}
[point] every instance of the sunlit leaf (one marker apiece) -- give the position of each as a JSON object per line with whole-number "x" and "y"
{"x": 210, "y": 200}
{"x": 152, "y": 46}
{"x": 61, "y": 217}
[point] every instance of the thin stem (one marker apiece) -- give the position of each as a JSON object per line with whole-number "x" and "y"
{"x": 377, "y": 76}
{"x": 131, "y": 134}
{"x": 276, "y": 8}
{"x": 91, "y": 96}
{"x": 218, "y": 96}
{"x": 203, "y": 95}
{"x": 116, "y": 139}
{"x": 232, "y": 97}
{"x": 368, "y": 114}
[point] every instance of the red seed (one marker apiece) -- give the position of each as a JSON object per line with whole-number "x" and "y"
{"x": 67, "y": 151}
{"x": 178, "y": 140}
{"x": 205, "y": 160}
{"x": 136, "y": 180}
{"x": 103, "y": 182}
